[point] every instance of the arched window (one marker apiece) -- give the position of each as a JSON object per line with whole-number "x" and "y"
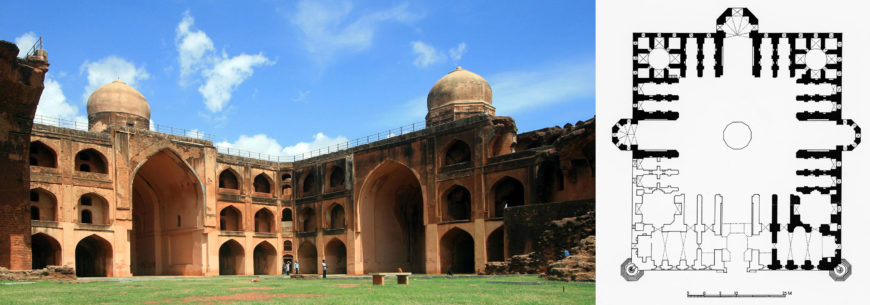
{"x": 230, "y": 219}
{"x": 458, "y": 152}
{"x": 90, "y": 160}
{"x": 263, "y": 221}
{"x": 87, "y": 217}
{"x": 308, "y": 184}
{"x": 308, "y": 220}
{"x": 228, "y": 180}
{"x": 42, "y": 155}
{"x": 34, "y": 213}
{"x": 94, "y": 209}
{"x": 287, "y": 214}
{"x": 336, "y": 177}
{"x": 43, "y": 205}
{"x": 288, "y": 245}
{"x": 336, "y": 217}
{"x": 507, "y": 192}
{"x": 262, "y": 184}
{"x": 286, "y": 177}
{"x": 456, "y": 204}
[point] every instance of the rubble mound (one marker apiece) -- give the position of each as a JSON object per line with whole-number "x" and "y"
{"x": 577, "y": 234}
{"x": 580, "y": 266}
{"x": 47, "y": 273}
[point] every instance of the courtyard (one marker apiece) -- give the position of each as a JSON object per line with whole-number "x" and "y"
{"x": 285, "y": 290}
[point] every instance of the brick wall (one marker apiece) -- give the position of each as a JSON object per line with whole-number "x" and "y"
{"x": 21, "y": 84}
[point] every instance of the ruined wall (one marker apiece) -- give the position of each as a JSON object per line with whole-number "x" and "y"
{"x": 524, "y": 225}
{"x": 21, "y": 84}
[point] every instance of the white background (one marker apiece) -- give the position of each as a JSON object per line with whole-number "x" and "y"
{"x": 615, "y": 22}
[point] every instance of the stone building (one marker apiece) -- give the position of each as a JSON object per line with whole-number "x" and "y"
{"x": 123, "y": 200}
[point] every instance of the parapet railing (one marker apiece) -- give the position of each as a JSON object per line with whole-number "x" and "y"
{"x": 327, "y": 149}
{"x": 83, "y": 126}
{"x": 60, "y": 122}
{"x": 193, "y": 133}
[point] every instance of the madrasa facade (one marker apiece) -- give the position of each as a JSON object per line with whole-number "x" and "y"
{"x": 120, "y": 199}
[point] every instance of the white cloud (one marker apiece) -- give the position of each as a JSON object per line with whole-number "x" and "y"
{"x": 220, "y": 74}
{"x": 25, "y": 42}
{"x": 227, "y": 74}
{"x": 53, "y": 105}
{"x": 457, "y": 52}
{"x": 320, "y": 141}
{"x": 193, "y": 47}
{"x": 327, "y": 28}
{"x": 109, "y": 69}
{"x": 261, "y": 143}
{"x": 426, "y": 54}
{"x": 515, "y": 91}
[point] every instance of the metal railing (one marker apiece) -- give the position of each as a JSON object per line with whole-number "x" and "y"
{"x": 327, "y": 149}
{"x": 60, "y": 122}
{"x": 196, "y": 134}
{"x": 83, "y": 126}
{"x": 190, "y": 133}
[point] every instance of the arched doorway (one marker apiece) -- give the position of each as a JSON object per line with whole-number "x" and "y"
{"x": 336, "y": 257}
{"x": 457, "y": 252}
{"x": 265, "y": 258}
{"x": 93, "y": 257}
{"x": 167, "y": 218}
{"x": 495, "y": 246}
{"x": 44, "y": 250}
{"x": 231, "y": 260}
{"x": 308, "y": 258}
{"x": 391, "y": 218}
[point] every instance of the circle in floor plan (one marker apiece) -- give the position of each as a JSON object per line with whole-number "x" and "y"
{"x": 737, "y": 135}
{"x": 816, "y": 59}
{"x": 659, "y": 58}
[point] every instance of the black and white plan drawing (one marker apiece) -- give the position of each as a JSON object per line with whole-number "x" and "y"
{"x": 732, "y": 149}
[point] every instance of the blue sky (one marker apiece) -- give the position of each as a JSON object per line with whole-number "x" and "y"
{"x": 284, "y": 77}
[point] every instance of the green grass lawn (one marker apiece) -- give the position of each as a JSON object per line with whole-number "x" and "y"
{"x": 278, "y": 290}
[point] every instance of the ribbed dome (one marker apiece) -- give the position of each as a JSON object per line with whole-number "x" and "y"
{"x": 118, "y": 97}
{"x": 459, "y": 86}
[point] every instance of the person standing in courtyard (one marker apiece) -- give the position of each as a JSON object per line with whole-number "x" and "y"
{"x": 324, "y": 268}
{"x": 296, "y": 266}
{"x": 286, "y": 268}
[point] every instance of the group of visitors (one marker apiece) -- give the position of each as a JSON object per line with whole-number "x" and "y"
{"x": 288, "y": 267}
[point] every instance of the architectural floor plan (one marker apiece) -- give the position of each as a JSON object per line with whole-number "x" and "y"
{"x": 782, "y": 216}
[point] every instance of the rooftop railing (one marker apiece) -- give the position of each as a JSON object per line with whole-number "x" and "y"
{"x": 60, "y": 122}
{"x": 83, "y": 125}
{"x": 327, "y": 149}
{"x": 196, "y": 134}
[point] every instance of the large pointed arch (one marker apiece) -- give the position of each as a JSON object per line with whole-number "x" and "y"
{"x": 45, "y": 251}
{"x": 231, "y": 258}
{"x": 391, "y": 216}
{"x": 457, "y": 252}
{"x": 167, "y": 217}
{"x": 93, "y": 257}
{"x": 265, "y": 259}
{"x": 308, "y": 258}
{"x": 336, "y": 256}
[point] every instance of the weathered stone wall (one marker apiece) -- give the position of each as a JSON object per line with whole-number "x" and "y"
{"x": 524, "y": 225}
{"x": 21, "y": 84}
